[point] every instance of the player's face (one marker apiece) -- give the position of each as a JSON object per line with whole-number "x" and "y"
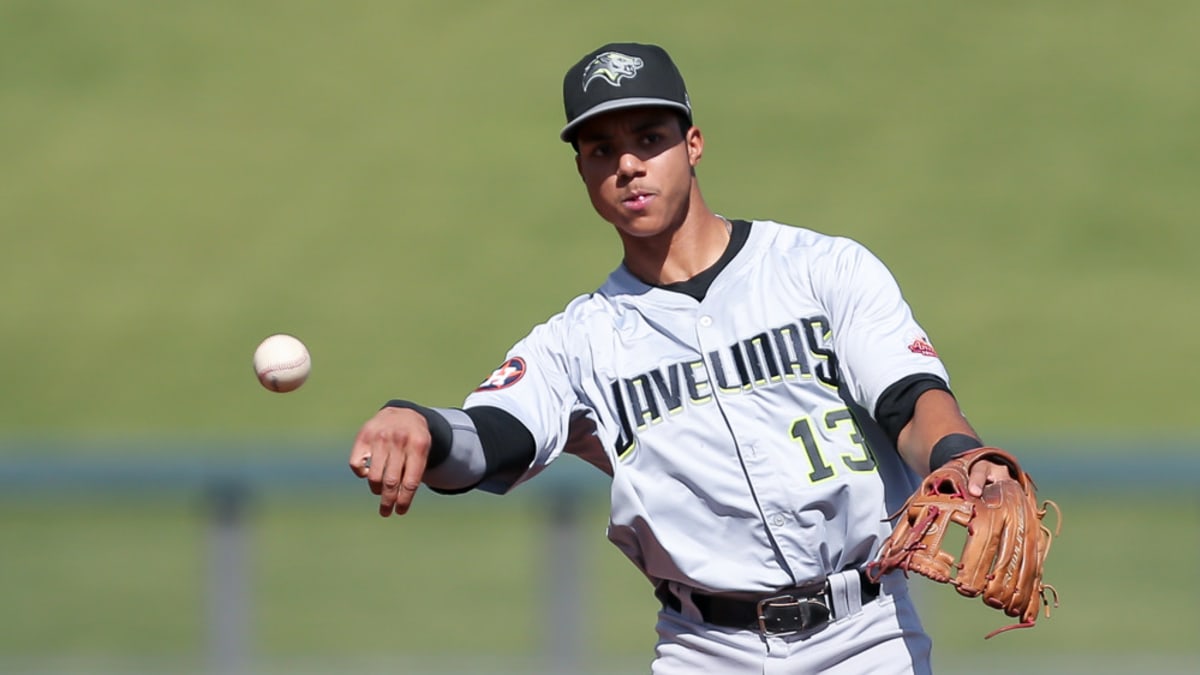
{"x": 638, "y": 167}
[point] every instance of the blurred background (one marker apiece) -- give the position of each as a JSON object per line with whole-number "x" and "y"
{"x": 384, "y": 180}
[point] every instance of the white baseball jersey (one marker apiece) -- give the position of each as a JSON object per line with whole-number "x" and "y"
{"x": 734, "y": 428}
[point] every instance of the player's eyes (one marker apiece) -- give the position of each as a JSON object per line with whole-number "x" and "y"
{"x": 651, "y": 138}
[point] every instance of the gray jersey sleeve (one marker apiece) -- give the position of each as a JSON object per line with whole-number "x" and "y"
{"x": 874, "y": 333}
{"x": 534, "y": 385}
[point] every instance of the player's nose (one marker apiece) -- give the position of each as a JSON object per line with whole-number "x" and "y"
{"x": 630, "y": 165}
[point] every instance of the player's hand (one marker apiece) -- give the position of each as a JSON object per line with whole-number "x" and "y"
{"x": 984, "y": 472}
{"x": 390, "y": 451}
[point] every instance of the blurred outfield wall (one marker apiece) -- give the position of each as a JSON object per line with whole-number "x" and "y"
{"x": 266, "y": 564}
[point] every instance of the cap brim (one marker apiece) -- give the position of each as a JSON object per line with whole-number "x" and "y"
{"x": 568, "y": 132}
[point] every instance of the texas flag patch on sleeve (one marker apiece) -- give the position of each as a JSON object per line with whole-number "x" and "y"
{"x": 508, "y": 374}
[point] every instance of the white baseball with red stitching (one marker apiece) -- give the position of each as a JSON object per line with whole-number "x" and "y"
{"x": 282, "y": 363}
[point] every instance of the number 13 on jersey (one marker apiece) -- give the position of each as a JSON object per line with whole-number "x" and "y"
{"x": 836, "y": 421}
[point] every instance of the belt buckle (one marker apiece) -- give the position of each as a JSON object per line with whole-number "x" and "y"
{"x": 796, "y": 614}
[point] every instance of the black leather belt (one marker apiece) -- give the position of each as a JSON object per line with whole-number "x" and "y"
{"x": 788, "y": 610}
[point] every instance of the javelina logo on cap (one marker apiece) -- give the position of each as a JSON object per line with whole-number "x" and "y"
{"x": 612, "y": 67}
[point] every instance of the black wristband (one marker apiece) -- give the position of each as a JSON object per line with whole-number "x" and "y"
{"x": 951, "y": 446}
{"x": 440, "y": 432}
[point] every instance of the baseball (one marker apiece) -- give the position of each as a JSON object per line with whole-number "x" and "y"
{"x": 282, "y": 363}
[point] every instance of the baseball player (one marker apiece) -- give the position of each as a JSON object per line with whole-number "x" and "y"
{"x": 759, "y": 394}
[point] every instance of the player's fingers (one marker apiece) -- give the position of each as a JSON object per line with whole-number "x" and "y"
{"x": 395, "y": 483}
{"x": 390, "y": 483}
{"x": 413, "y": 453}
{"x": 410, "y": 480}
{"x": 360, "y": 456}
{"x": 382, "y": 452}
{"x": 390, "y": 452}
{"x": 984, "y": 472}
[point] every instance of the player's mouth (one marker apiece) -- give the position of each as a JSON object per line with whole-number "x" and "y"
{"x": 637, "y": 201}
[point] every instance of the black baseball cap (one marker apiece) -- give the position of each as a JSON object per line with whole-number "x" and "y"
{"x": 621, "y": 75}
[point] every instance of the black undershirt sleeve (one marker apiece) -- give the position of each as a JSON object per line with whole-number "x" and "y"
{"x": 507, "y": 443}
{"x": 898, "y": 402}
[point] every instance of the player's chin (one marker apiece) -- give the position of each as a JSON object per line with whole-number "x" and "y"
{"x": 639, "y": 224}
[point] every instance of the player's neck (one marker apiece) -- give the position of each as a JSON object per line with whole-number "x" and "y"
{"x": 682, "y": 252}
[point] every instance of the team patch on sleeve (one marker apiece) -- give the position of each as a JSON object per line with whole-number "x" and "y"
{"x": 508, "y": 374}
{"x": 920, "y": 345}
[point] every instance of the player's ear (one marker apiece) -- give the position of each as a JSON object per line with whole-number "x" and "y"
{"x": 578, "y": 166}
{"x": 695, "y": 144}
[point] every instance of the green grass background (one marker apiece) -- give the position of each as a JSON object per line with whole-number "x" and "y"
{"x": 179, "y": 180}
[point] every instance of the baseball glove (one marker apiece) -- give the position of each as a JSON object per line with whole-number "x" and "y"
{"x": 1006, "y": 542}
